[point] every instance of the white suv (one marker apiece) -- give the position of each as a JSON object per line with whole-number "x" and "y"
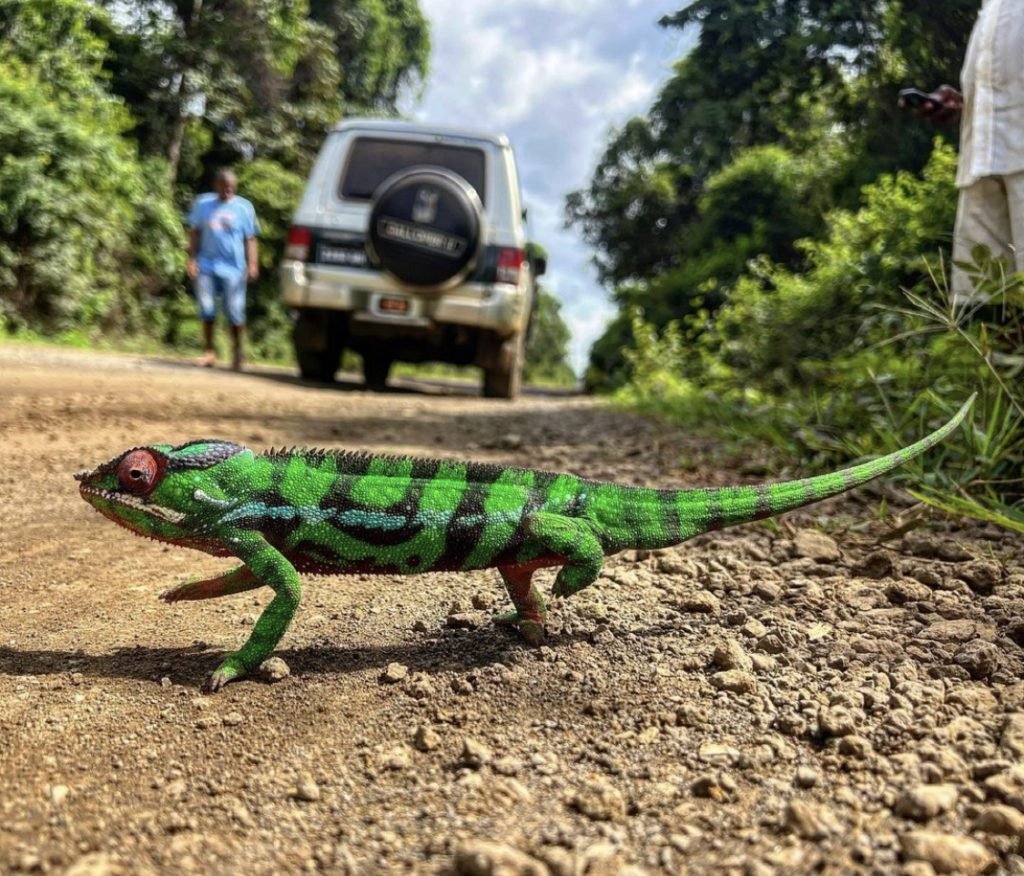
{"x": 409, "y": 245}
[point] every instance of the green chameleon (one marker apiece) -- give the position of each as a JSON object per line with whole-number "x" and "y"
{"x": 339, "y": 512}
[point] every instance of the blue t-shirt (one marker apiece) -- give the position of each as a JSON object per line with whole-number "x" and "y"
{"x": 224, "y": 227}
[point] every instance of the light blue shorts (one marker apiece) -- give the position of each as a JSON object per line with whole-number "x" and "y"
{"x": 232, "y": 291}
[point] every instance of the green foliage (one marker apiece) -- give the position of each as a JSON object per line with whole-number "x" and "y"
{"x": 547, "y": 349}
{"x": 85, "y": 226}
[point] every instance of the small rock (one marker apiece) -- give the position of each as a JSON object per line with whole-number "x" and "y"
{"x": 58, "y": 794}
{"x": 701, "y": 602}
{"x": 719, "y": 753}
{"x": 208, "y": 722}
{"x": 999, "y": 819}
{"x": 462, "y": 687}
{"x": 981, "y": 576}
{"x": 307, "y": 790}
{"x": 462, "y": 621}
{"x": 233, "y": 719}
{"x": 907, "y": 590}
{"x": 875, "y": 565}
{"x": 816, "y": 546}
{"x": 474, "y": 754}
{"x": 947, "y": 853}
{"x": 420, "y": 687}
{"x": 426, "y": 738}
{"x": 924, "y": 802}
{"x": 599, "y": 801}
{"x": 809, "y": 822}
{"x": 1013, "y": 734}
{"x": 805, "y": 777}
{"x": 274, "y": 669}
{"x": 767, "y": 591}
{"x": 95, "y": 864}
{"x": 397, "y": 759}
{"x": 736, "y": 681}
{"x": 980, "y": 659}
{"x": 711, "y": 787}
{"x": 730, "y": 655}
{"x": 507, "y": 766}
{"x": 855, "y": 747}
{"x": 836, "y": 721}
{"x": 755, "y": 629}
{"x": 480, "y": 858}
{"x": 394, "y": 673}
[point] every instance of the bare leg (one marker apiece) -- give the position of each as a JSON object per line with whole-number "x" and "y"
{"x": 237, "y": 341}
{"x": 209, "y": 356}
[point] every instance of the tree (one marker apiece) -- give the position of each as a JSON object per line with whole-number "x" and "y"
{"x": 547, "y": 350}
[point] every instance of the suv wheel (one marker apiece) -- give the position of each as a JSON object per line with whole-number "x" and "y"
{"x": 425, "y": 227}
{"x": 376, "y": 367}
{"x": 318, "y": 344}
{"x": 504, "y": 379}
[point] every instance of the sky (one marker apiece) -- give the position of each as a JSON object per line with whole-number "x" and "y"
{"x": 556, "y": 76}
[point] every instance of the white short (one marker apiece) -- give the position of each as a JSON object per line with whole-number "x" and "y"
{"x": 990, "y": 213}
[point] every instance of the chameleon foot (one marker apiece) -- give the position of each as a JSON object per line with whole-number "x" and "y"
{"x": 229, "y": 670}
{"x": 532, "y": 631}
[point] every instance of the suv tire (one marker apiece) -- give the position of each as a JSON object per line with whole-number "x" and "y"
{"x": 425, "y": 227}
{"x": 318, "y": 344}
{"x": 505, "y": 378}
{"x": 376, "y": 367}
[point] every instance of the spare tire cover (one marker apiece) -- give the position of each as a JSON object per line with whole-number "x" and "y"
{"x": 425, "y": 226}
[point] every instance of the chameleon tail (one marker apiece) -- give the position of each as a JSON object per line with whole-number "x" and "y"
{"x": 710, "y": 509}
{"x": 633, "y": 517}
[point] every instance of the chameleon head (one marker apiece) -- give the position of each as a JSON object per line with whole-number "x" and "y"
{"x": 160, "y": 491}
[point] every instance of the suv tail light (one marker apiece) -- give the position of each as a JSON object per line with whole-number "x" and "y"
{"x": 299, "y": 239}
{"x": 510, "y": 264}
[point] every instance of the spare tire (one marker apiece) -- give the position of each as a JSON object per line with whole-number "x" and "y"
{"x": 425, "y": 227}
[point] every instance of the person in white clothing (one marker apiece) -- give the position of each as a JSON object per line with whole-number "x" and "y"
{"x": 990, "y": 172}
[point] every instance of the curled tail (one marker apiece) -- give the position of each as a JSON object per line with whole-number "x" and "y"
{"x": 661, "y": 518}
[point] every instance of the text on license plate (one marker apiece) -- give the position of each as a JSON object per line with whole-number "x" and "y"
{"x": 393, "y": 305}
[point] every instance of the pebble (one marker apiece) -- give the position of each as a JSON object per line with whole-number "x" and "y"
{"x": 599, "y": 801}
{"x": 1012, "y": 739}
{"x": 806, "y": 777}
{"x": 233, "y": 719}
{"x": 394, "y": 673}
{"x": 808, "y": 821}
{"x": 836, "y": 721}
{"x": 999, "y": 819}
{"x": 274, "y": 669}
{"x": 701, "y": 602}
{"x": 855, "y": 747}
{"x": 875, "y": 565}
{"x": 729, "y": 654}
{"x": 58, "y": 794}
{"x": 947, "y": 853}
{"x": 924, "y": 802}
{"x": 462, "y": 621}
{"x": 735, "y": 681}
{"x": 426, "y": 738}
{"x": 306, "y": 790}
{"x": 482, "y": 858}
{"x": 474, "y": 753}
{"x": 816, "y": 546}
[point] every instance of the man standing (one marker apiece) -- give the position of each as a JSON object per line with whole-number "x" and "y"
{"x": 990, "y": 172}
{"x": 222, "y": 257}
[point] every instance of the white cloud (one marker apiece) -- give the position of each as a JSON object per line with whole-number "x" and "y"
{"x": 556, "y": 76}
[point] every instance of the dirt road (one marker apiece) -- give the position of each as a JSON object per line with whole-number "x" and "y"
{"x": 774, "y": 699}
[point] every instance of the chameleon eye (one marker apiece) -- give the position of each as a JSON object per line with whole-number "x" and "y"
{"x": 138, "y": 472}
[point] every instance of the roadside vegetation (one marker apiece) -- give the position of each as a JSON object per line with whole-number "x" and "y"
{"x": 777, "y": 232}
{"x": 115, "y": 112}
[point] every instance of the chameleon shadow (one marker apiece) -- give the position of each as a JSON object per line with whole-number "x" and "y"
{"x": 192, "y": 665}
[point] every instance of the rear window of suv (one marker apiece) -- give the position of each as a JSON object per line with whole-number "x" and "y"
{"x": 372, "y": 160}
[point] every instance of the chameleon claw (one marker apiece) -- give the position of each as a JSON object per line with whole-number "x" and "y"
{"x": 532, "y": 631}
{"x": 229, "y": 670}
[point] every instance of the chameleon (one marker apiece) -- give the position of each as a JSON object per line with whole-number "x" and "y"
{"x": 285, "y": 512}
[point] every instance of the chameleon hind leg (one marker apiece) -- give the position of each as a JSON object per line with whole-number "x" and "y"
{"x": 237, "y": 580}
{"x": 271, "y": 568}
{"x": 530, "y": 610}
{"x": 575, "y": 542}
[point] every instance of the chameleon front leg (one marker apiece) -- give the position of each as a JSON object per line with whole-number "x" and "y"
{"x": 530, "y": 610}
{"x": 237, "y": 580}
{"x": 273, "y": 569}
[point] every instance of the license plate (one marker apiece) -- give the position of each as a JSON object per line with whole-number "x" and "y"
{"x": 393, "y": 305}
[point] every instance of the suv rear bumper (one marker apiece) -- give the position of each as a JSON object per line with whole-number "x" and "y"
{"x": 499, "y": 307}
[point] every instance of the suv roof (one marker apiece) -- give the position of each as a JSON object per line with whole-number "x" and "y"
{"x": 393, "y": 126}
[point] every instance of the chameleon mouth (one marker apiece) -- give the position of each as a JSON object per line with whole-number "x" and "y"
{"x": 127, "y": 500}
